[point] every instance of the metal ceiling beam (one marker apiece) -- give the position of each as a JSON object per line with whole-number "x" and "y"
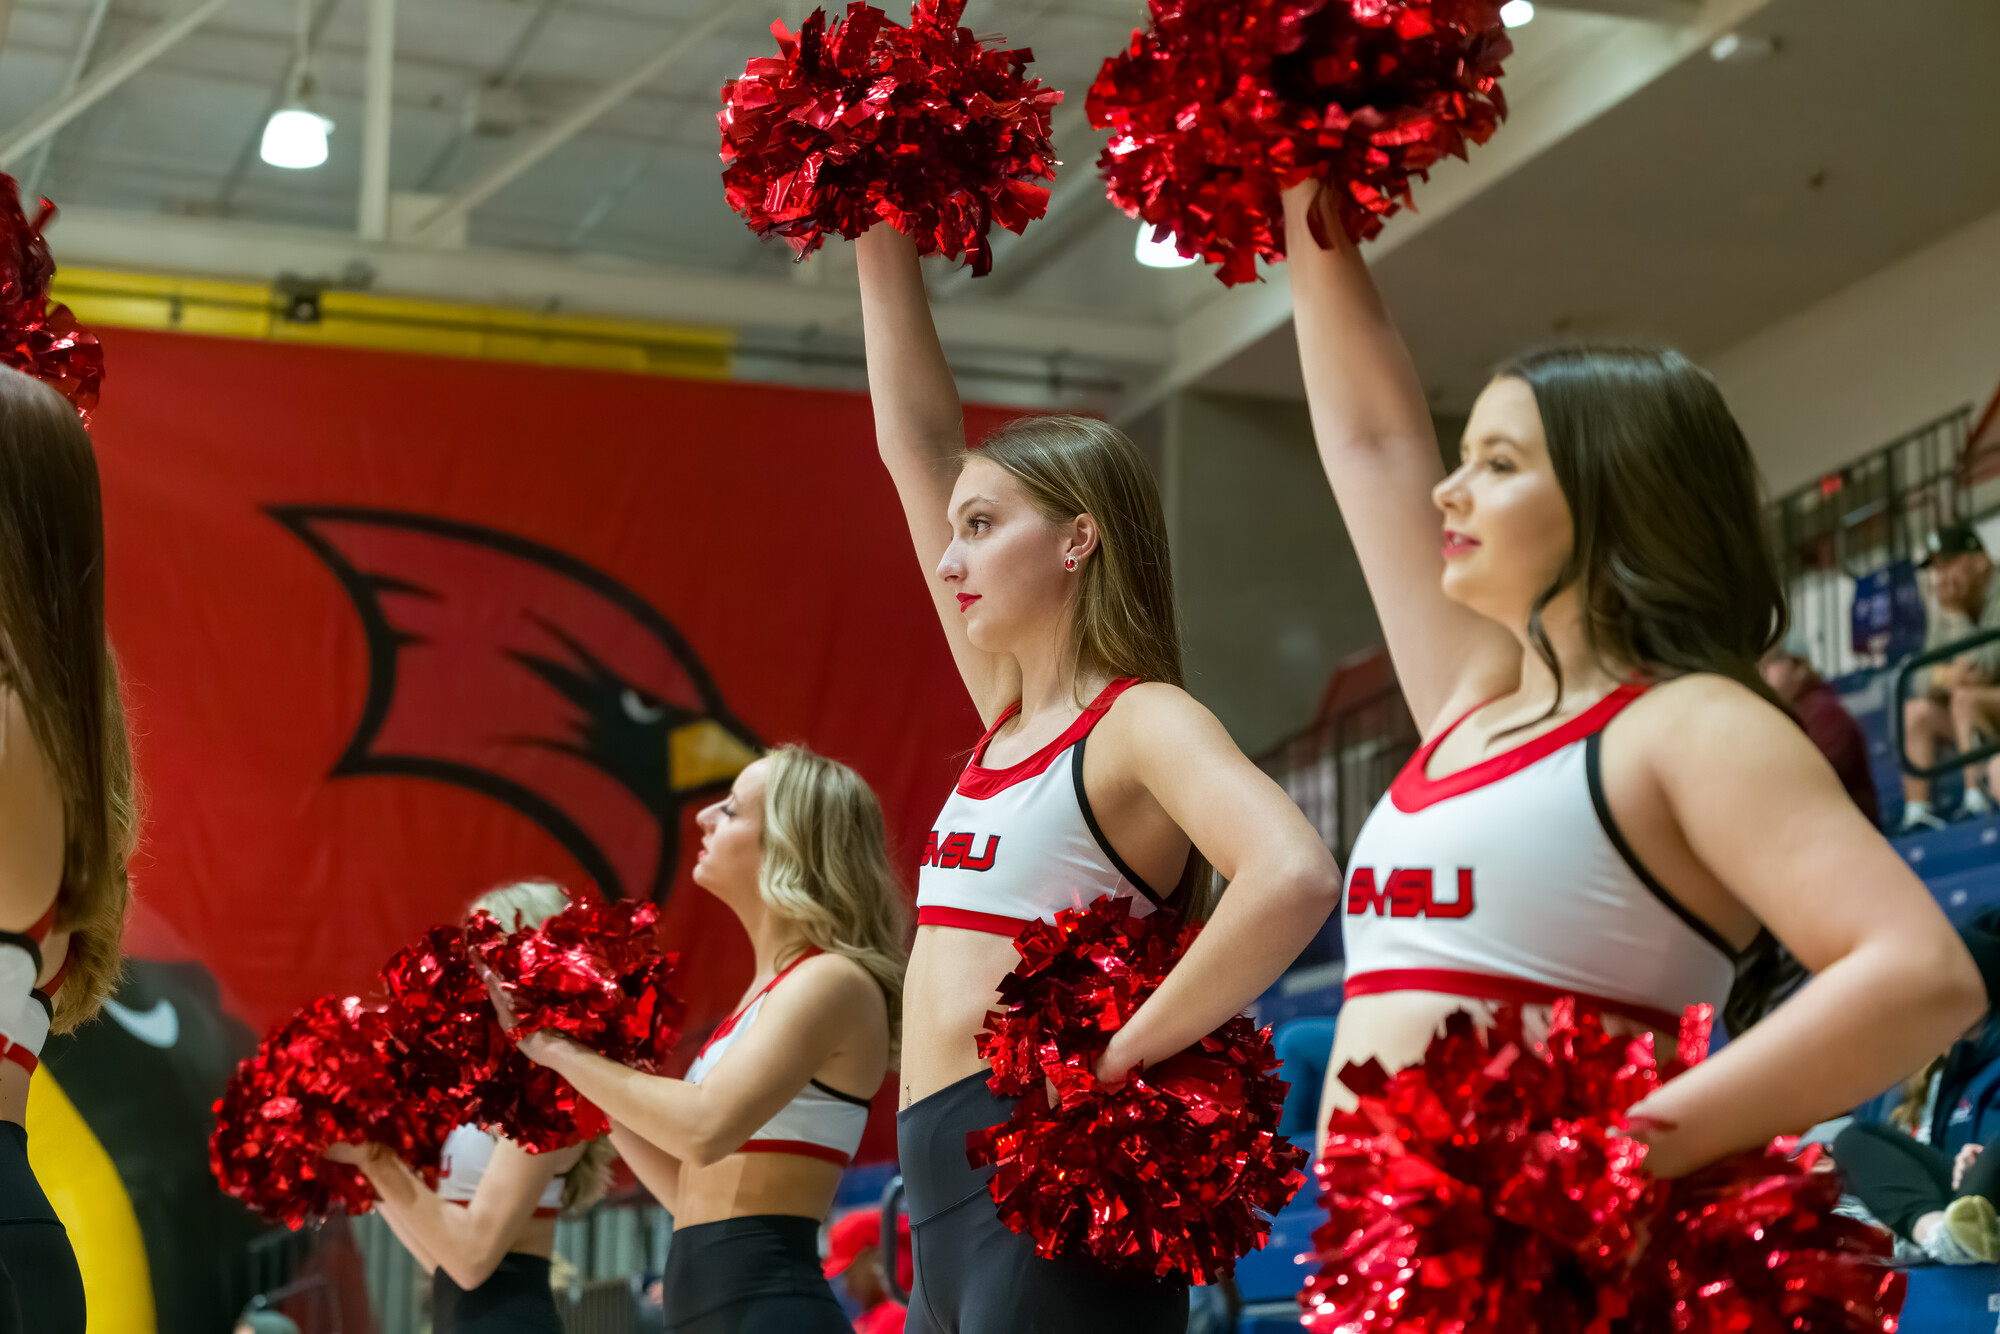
{"x": 210, "y": 247}
{"x": 108, "y": 78}
{"x": 1657, "y": 11}
{"x": 501, "y": 174}
{"x": 86, "y": 46}
{"x": 1628, "y": 60}
{"x": 378, "y": 110}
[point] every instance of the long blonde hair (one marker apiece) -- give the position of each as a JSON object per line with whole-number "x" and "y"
{"x": 55, "y": 656}
{"x": 530, "y": 903}
{"x": 826, "y": 867}
{"x": 1126, "y": 622}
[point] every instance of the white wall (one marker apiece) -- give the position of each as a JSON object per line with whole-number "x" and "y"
{"x": 1893, "y": 351}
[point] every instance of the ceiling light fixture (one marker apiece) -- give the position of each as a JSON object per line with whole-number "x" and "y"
{"x": 295, "y": 136}
{"x": 1734, "y": 48}
{"x": 1158, "y": 254}
{"x": 1517, "y": 12}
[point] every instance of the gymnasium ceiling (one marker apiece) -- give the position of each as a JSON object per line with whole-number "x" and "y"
{"x": 1639, "y": 186}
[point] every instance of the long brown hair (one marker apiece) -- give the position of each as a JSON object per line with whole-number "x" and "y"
{"x": 54, "y": 655}
{"x": 826, "y": 867}
{"x": 1125, "y": 622}
{"x": 1670, "y": 559}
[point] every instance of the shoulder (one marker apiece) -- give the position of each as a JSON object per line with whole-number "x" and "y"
{"x": 1156, "y": 722}
{"x": 829, "y": 979}
{"x": 1704, "y": 717}
{"x": 1155, "y": 704}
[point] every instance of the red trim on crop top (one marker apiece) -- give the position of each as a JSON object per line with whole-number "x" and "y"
{"x": 1414, "y": 789}
{"x": 979, "y": 782}
{"x": 1494, "y": 987}
{"x": 803, "y": 1148}
{"x": 728, "y": 1026}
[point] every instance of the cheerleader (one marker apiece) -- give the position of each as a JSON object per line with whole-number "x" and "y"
{"x": 67, "y": 806}
{"x": 747, "y": 1151}
{"x": 1045, "y": 551}
{"x": 486, "y": 1233}
{"x": 1608, "y": 803}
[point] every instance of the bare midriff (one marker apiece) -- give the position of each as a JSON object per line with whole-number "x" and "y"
{"x": 538, "y": 1237}
{"x": 744, "y": 1184}
{"x": 952, "y": 983}
{"x": 1396, "y": 1027}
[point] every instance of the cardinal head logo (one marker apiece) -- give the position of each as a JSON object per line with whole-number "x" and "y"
{"x": 520, "y": 672}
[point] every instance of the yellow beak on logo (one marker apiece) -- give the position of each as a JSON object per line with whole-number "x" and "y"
{"x": 704, "y": 752}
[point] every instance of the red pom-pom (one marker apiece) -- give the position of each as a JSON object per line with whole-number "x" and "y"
{"x": 325, "y": 1076}
{"x": 1751, "y": 1245}
{"x": 452, "y": 1053}
{"x": 38, "y": 336}
{"x": 593, "y": 972}
{"x": 1176, "y": 1172}
{"x": 866, "y": 120}
{"x": 1219, "y": 105}
{"x": 1493, "y": 1187}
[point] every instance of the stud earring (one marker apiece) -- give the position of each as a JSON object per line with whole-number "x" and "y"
{"x": 1069, "y": 563}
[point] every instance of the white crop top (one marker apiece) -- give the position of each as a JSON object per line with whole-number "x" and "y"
{"x": 1020, "y": 844}
{"x": 1509, "y": 880}
{"x": 25, "y": 1009}
{"x": 821, "y": 1122}
{"x": 467, "y": 1151}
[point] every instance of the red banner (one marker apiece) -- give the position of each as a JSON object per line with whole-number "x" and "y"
{"x": 397, "y": 629}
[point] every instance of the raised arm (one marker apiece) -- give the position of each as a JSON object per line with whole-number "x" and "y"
{"x": 467, "y": 1242}
{"x": 920, "y": 431}
{"x": 802, "y": 1024}
{"x": 1282, "y": 880}
{"x": 1376, "y": 441}
{"x": 1892, "y": 984}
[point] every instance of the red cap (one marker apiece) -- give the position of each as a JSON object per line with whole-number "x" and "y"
{"x": 858, "y": 1229}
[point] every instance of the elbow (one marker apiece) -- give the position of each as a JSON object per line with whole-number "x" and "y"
{"x": 1316, "y": 880}
{"x": 1962, "y": 992}
{"x": 709, "y": 1147}
{"x": 470, "y": 1271}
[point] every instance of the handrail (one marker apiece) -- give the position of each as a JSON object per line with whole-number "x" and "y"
{"x": 1899, "y": 696}
{"x": 890, "y": 1241}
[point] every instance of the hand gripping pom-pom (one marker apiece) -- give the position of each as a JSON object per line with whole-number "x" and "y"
{"x": 1177, "y": 1171}
{"x": 453, "y": 1054}
{"x": 38, "y": 336}
{"x": 1493, "y": 1187}
{"x": 865, "y": 120}
{"x": 325, "y": 1076}
{"x": 1218, "y": 105}
{"x": 593, "y": 972}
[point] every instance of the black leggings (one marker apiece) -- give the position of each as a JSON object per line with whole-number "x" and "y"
{"x": 515, "y": 1299}
{"x": 974, "y": 1274}
{"x": 1901, "y": 1180}
{"x": 34, "y": 1249}
{"x": 759, "y": 1274}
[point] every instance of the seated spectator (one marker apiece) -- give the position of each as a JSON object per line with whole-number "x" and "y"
{"x": 1956, "y": 702}
{"x": 1304, "y": 1047}
{"x": 854, "y": 1255}
{"x": 1833, "y": 730}
{"x": 1929, "y": 1175}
